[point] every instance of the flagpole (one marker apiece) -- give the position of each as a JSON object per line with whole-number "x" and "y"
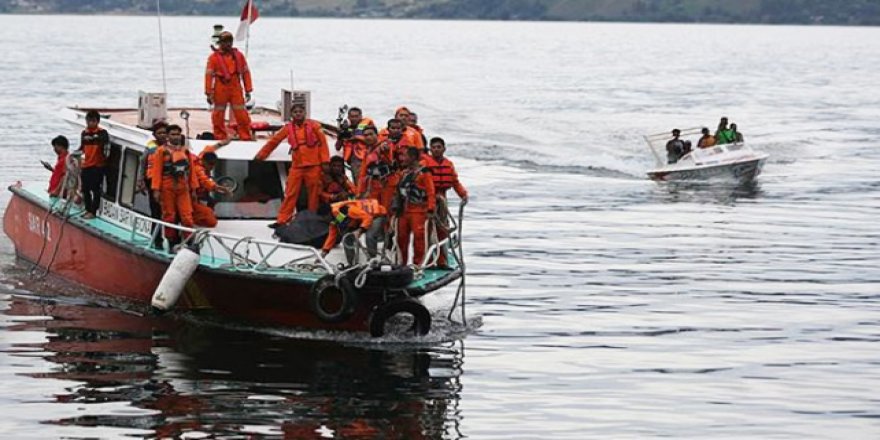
{"x": 247, "y": 38}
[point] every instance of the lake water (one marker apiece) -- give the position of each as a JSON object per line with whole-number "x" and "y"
{"x": 602, "y": 305}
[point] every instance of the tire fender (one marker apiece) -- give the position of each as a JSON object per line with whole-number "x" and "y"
{"x": 421, "y": 316}
{"x": 326, "y": 290}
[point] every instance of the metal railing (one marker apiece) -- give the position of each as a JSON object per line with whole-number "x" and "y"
{"x": 241, "y": 253}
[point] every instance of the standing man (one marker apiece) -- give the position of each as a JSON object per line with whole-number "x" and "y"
{"x": 444, "y": 177}
{"x": 93, "y": 141}
{"x": 226, "y": 71}
{"x": 350, "y": 140}
{"x": 377, "y": 179}
{"x": 60, "y": 145}
{"x": 173, "y": 183}
{"x": 309, "y": 155}
{"x": 409, "y": 135}
{"x": 675, "y": 147}
{"x": 160, "y": 137}
{"x": 415, "y": 199}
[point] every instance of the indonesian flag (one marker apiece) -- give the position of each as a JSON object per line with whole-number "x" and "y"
{"x": 249, "y": 14}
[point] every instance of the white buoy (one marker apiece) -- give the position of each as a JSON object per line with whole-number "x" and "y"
{"x": 173, "y": 282}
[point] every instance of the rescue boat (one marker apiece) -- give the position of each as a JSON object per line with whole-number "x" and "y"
{"x": 237, "y": 269}
{"x": 736, "y": 161}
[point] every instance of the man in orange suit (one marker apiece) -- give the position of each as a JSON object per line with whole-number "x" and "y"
{"x": 226, "y": 71}
{"x": 309, "y": 155}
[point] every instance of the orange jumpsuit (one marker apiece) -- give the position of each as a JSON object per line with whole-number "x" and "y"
{"x": 361, "y": 212}
{"x": 355, "y": 148}
{"x": 381, "y": 189}
{"x": 203, "y": 215}
{"x": 444, "y": 176}
{"x": 175, "y": 188}
{"x": 419, "y": 200}
{"x": 309, "y": 152}
{"x": 223, "y": 82}
{"x": 334, "y": 190}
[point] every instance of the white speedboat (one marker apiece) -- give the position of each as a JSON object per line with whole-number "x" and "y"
{"x": 736, "y": 161}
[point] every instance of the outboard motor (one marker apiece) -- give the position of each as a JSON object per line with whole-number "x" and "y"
{"x": 174, "y": 281}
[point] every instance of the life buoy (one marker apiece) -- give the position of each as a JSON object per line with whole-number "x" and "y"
{"x": 332, "y": 303}
{"x": 382, "y": 313}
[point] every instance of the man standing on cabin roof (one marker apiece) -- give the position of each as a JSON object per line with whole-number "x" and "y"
{"x": 309, "y": 155}
{"x": 226, "y": 71}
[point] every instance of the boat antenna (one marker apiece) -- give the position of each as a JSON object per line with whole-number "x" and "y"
{"x": 161, "y": 47}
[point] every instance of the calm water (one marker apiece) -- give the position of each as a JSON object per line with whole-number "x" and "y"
{"x": 611, "y": 307}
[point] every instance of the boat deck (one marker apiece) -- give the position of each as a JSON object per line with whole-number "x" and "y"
{"x": 199, "y": 119}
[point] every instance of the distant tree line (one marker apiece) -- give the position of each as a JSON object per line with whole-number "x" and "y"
{"x": 851, "y": 12}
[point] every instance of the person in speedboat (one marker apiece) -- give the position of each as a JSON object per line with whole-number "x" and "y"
{"x": 707, "y": 140}
{"x": 737, "y": 136}
{"x": 675, "y": 148}
{"x": 724, "y": 135}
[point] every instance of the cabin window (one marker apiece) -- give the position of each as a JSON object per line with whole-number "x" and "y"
{"x": 111, "y": 189}
{"x": 137, "y": 201}
{"x": 258, "y": 194}
{"x": 128, "y": 178}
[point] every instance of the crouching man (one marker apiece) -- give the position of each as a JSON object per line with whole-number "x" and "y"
{"x": 356, "y": 217}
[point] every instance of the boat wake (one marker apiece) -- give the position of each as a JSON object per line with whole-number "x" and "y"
{"x": 597, "y": 163}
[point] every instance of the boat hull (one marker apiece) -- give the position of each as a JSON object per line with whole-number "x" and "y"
{"x": 107, "y": 266}
{"x": 742, "y": 171}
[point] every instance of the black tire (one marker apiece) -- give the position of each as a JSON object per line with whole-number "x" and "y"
{"x": 332, "y": 303}
{"x": 399, "y": 277}
{"x": 381, "y": 314}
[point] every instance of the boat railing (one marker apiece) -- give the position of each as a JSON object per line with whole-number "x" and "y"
{"x": 243, "y": 253}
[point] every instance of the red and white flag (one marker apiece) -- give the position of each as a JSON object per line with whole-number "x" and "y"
{"x": 249, "y": 14}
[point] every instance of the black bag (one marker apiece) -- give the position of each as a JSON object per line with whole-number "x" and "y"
{"x": 307, "y": 228}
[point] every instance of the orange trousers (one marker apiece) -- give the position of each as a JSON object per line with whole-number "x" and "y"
{"x": 203, "y": 215}
{"x": 176, "y": 203}
{"x": 310, "y": 177}
{"x": 230, "y": 94}
{"x": 411, "y": 222}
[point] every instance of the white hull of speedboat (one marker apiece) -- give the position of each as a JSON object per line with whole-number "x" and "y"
{"x": 742, "y": 171}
